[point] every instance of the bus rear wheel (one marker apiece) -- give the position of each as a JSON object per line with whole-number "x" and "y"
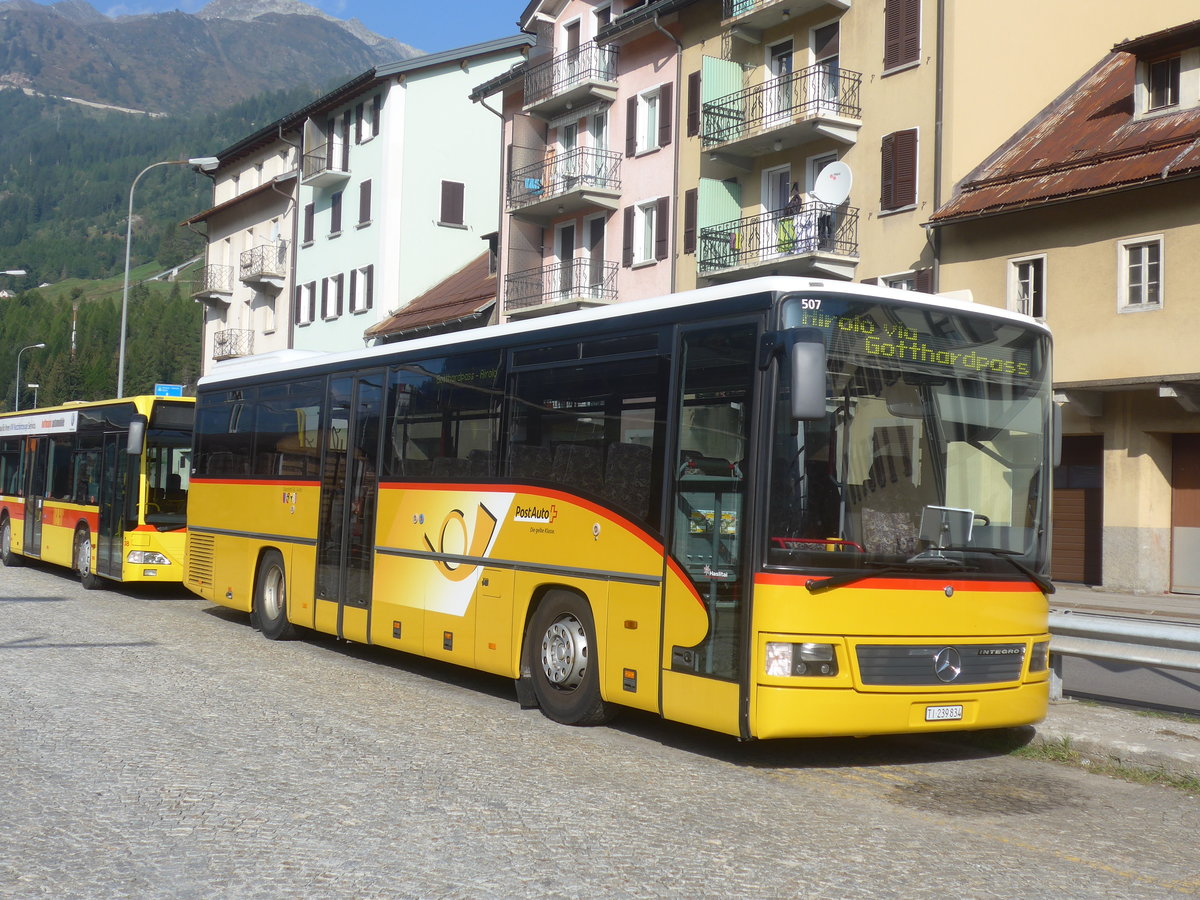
{"x": 270, "y": 599}
{"x": 7, "y": 556}
{"x": 83, "y": 560}
{"x": 561, "y": 646}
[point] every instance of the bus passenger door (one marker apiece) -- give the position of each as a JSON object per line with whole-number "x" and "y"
{"x": 349, "y": 492}
{"x": 35, "y": 493}
{"x": 110, "y": 533}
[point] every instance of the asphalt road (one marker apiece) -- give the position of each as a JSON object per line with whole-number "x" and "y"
{"x": 152, "y": 745}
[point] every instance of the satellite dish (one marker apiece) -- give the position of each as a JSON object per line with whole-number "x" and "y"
{"x": 833, "y": 184}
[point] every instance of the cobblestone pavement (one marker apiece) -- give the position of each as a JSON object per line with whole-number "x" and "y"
{"x": 152, "y": 745}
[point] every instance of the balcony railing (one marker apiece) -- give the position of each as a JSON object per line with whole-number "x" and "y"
{"x": 323, "y": 165}
{"x": 232, "y": 342}
{"x": 215, "y": 280}
{"x": 773, "y": 237}
{"x": 590, "y": 66}
{"x": 581, "y": 169}
{"x": 767, "y": 13}
{"x": 812, "y": 93}
{"x": 584, "y": 282}
{"x": 266, "y": 261}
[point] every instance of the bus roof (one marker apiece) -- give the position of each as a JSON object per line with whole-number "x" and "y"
{"x": 291, "y": 360}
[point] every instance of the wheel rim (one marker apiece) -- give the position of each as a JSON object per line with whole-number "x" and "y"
{"x": 5, "y": 539}
{"x": 273, "y": 594}
{"x": 565, "y": 652}
{"x": 83, "y": 555}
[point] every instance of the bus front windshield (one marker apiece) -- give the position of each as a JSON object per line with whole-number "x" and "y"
{"x": 932, "y": 451}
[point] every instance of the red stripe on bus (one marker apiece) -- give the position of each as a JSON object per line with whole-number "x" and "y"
{"x": 270, "y": 482}
{"x": 898, "y": 584}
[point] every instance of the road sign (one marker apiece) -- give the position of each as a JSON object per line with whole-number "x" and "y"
{"x": 168, "y": 390}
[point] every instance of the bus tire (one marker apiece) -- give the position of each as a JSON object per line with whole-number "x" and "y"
{"x": 81, "y": 557}
{"x": 563, "y": 663}
{"x": 270, "y": 599}
{"x": 7, "y": 556}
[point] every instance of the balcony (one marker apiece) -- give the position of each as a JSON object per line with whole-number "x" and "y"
{"x": 748, "y": 18}
{"x": 818, "y": 240}
{"x": 264, "y": 266}
{"x": 580, "y": 180}
{"x": 787, "y": 112}
{"x": 321, "y": 166}
{"x": 570, "y": 80}
{"x": 232, "y": 342}
{"x": 215, "y": 286}
{"x": 561, "y": 287}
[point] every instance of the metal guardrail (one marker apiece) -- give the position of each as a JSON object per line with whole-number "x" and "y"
{"x": 1169, "y": 645}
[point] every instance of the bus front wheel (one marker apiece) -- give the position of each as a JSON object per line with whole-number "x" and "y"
{"x": 7, "y": 556}
{"x": 83, "y": 560}
{"x": 563, "y": 662}
{"x": 270, "y": 599}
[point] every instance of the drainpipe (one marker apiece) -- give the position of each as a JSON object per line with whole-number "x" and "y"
{"x": 935, "y": 234}
{"x": 498, "y": 310}
{"x": 294, "y": 198}
{"x": 678, "y": 139}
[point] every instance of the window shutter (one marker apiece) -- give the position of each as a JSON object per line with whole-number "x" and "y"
{"x": 452, "y": 203}
{"x": 887, "y": 174}
{"x": 376, "y": 108}
{"x": 691, "y": 199}
{"x": 330, "y": 139}
{"x": 627, "y": 239}
{"x": 662, "y": 230}
{"x": 346, "y": 141}
{"x": 358, "y": 123}
{"x": 901, "y": 32}
{"x": 665, "y": 121}
{"x": 296, "y": 305}
{"x": 338, "y": 282}
{"x": 693, "y": 104}
{"x": 369, "y": 288}
{"x": 324, "y": 298}
{"x": 353, "y": 299}
{"x": 309, "y": 220}
{"x": 904, "y": 184}
{"x": 924, "y": 280}
{"x": 312, "y": 301}
{"x": 364, "y": 202}
{"x": 874, "y": 281}
{"x": 335, "y": 213}
{"x": 631, "y": 116}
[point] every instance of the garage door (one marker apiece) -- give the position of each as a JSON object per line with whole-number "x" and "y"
{"x": 1079, "y": 511}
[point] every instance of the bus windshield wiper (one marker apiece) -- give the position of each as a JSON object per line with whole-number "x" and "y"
{"x": 1047, "y": 587}
{"x": 816, "y": 585}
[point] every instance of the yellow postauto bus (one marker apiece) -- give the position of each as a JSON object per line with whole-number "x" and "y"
{"x": 99, "y": 487}
{"x": 774, "y": 508}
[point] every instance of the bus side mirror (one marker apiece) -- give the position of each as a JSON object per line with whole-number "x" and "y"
{"x": 808, "y": 378}
{"x": 137, "y": 436}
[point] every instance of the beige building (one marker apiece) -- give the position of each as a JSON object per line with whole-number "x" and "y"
{"x": 1088, "y": 217}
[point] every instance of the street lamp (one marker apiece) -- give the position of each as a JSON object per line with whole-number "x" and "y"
{"x": 202, "y": 164}
{"x": 35, "y": 387}
{"x": 19, "y": 352}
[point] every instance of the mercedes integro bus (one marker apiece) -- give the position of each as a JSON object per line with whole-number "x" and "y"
{"x": 774, "y": 508}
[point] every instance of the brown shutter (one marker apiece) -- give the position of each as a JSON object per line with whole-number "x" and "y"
{"x": 369, "y": 290}
{"x": 901, "y": 32}
{"x": 296, "y": 305}
{"x": 665, "y": 121}
{"x": 693, "y": 104}
{"x": 309, "y": 220}
{"x": 346, "y": 141}
{"x": 627, "y": 239}
{"x": 358, "y": 123}
{"x": 353, "y": 290}
{"x": 312, "y": 301}
{"x": 691, "y": 199}
{"x": 376, "y": 108}
{"x": 330, "y": 134}
{"x": 662, "y": 230}
{"x": 364, "y": 201}
{"x": 338, "y": 284}
{"x": 904, "y": 190}
{"x": 924, "y": 280}
{"x": 335, "y": 213}
{"x": 324, "y": 298}
{"x": 452, "y": 203}
{"x": 631, "y": 126}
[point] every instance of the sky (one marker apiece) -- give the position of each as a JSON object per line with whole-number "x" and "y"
{"x": 431, "y": 27}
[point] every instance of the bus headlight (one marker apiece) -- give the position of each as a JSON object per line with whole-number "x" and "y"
{"x": 785, "y": 659}
{"x": 1039, "y": 656}
{"x": 147, "y": 558}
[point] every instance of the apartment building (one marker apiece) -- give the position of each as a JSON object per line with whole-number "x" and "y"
{"x": 1087, "y": 217}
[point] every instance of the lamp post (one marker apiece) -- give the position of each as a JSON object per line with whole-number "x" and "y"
{"x": 201, "y": 163}
{"x": 19, "y": 352}
{"x": 35, "y": 387}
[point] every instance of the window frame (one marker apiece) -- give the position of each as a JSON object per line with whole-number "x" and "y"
{"x": 1124, "y": 285}
{"x": 1018, "y": 303}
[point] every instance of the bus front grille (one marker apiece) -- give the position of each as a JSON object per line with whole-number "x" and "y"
{"x": 897, "y": 665}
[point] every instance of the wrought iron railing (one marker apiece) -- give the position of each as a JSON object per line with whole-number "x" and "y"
{"x": 263, "y": 260}
{"x": 815, "y": 91}
{"x": 815, "y": 228}
{"x": 322, "y": 158}
{"x": 731, "y": 8}
{"x": 583, "y": 167}
{"x": 590, "y": 62}
{"x": 232, "y": 342}
{"x": 591, "y": 279}
{"x": 216, "y": 279}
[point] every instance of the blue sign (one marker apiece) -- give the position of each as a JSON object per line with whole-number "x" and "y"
{"x": 168, "y": 390}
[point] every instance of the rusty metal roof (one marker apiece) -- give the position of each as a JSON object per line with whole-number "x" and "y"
{"x": 1086, "y": 142}
{"x": 461, "y": 301}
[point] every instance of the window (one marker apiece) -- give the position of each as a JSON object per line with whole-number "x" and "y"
{"x": 452, "y": 204}
{"x": 335, "y": 214}
{"x": 603, "y": 16}
{"x": 1164, "y": 83}
{"x": 364, "y": 202}
{"x": 1027, "y": 286}
{"x": 309, "y": 220}
{"x": 306, "y": 303}
{"x": 899, "y": 171}
{"x": 648, "y": 121}
{"x": 1141, "y": 274}
{"x": 901, "y": 33}
{"x": 362, "y": 289}
{"x": 646, "y": 236}
{"x": 331, "y": 296}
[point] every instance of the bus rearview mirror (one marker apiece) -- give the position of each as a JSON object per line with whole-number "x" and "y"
{"x": 137, "y": 436}
{"x": 808, "y": 380}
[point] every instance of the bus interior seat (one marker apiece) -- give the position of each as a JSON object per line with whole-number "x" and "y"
{"x": 531, "y": 461}
{"x": 579, "y": 466}
{"x": 627, "y": 476}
